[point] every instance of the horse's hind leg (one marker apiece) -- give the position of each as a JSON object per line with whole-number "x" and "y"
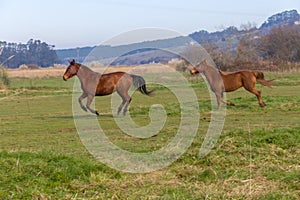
{"x": 251, "y": 88}
{"x": 121, "y": 105}
{"x": 126, "y": 105}
{"x": 122, "y": 89}
{"x": 88, "y": 103}
{"x": 84, "y": 95}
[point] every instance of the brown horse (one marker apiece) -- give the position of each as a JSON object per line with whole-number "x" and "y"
{"x": 96, "y": 84}
{"x": 221, "y": 82}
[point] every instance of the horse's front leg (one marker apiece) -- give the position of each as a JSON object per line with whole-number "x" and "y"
{"x": 88, "y": 103}
{"x": 84, "y": 95}
{"x": 258, "y": 95}
{"x": 220, "y": 100}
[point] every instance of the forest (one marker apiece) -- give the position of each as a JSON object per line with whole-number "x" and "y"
{"x": 33, "y": 53}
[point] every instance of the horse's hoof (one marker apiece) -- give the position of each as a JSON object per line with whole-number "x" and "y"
{"x": 96, "y": 112}
{"x": 84, "y": 108}
{"x": 231, "y": 104}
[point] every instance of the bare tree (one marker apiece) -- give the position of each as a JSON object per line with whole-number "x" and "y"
{"x": 246, "y": 52}
{"x": 281, "y": 44}
{"x": 248, "y": 26}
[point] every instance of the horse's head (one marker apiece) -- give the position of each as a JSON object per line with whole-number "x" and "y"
{"x": 194, "y": 71}
{"x": 71, "y": 70}
{"x": 200, "y": 68}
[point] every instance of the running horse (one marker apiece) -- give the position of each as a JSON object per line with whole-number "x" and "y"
{"x": 96, "y": 84}
{"x": 221, "y": 82}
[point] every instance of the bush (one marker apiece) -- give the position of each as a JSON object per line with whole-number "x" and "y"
{"x": 33, "y": 66}
{"x": 23, "y": 67}
{"x": 178, "y": 64}
{"x": 4, "y": 79}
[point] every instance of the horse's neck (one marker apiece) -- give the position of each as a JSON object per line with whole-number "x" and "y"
{"x": 212, "y": 75}
{"x": 210, "y": 70}
{"x": 85, "y": 72}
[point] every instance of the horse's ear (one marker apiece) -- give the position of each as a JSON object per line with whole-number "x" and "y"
{"x": 72, "y": 62}
{"x": 202, "y": 62}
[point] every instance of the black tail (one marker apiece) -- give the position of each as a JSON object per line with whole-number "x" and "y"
{"x": 139, "y": 83}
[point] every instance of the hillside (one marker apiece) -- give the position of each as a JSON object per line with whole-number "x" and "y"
{"x": 106, "y": 52}
{"x": 131, "y": 54}
{"x": 285, "y": 18}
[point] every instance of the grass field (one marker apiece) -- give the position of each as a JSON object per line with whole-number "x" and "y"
{"x": 256, "y": 157}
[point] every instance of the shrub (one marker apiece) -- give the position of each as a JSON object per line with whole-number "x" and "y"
{"x": 23, "y": 66}
{"x": 178, "y": 65}
{"x": 4, "y": 79}
{"x": 33, "y": 66}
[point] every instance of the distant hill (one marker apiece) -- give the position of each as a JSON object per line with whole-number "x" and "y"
{"x": 285, "y": 18}
{"x": 151, "y": 51}
{"x": 106, "y": 51}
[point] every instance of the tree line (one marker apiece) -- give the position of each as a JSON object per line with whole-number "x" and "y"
{"x": 35, "y": 52}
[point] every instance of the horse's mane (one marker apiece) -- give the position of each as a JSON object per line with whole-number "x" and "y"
{"x": 208, "y": 68}
{"x": 223, "y": 73}
{"x": 86, "y": 68}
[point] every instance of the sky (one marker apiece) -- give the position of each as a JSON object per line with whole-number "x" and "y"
{"x": 79, "y": 23}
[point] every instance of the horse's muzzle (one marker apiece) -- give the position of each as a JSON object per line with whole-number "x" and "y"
{"x": 65, "y": 78}
{"x": 194, "y": 71}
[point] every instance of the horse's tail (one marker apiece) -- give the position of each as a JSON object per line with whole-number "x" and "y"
{"x": 260, "y": 77}
{"x": 140, "y": 84}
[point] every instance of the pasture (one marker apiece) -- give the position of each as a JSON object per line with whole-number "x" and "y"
{"x": 256, "y": 157}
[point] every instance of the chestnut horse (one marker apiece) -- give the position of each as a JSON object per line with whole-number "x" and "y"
{"x": 96, "y": 84}
{"x": 221, "y": 82}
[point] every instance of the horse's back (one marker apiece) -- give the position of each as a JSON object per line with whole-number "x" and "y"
{"x": 113, "y": 77}
{"x": 232, "y": 80}
{"x": 109, "y": 82}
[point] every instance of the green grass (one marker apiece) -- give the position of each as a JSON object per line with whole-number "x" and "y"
{"x": 256, "y": 157}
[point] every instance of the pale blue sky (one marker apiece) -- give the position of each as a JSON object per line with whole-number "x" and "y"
{"x": 73, "y": 23}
